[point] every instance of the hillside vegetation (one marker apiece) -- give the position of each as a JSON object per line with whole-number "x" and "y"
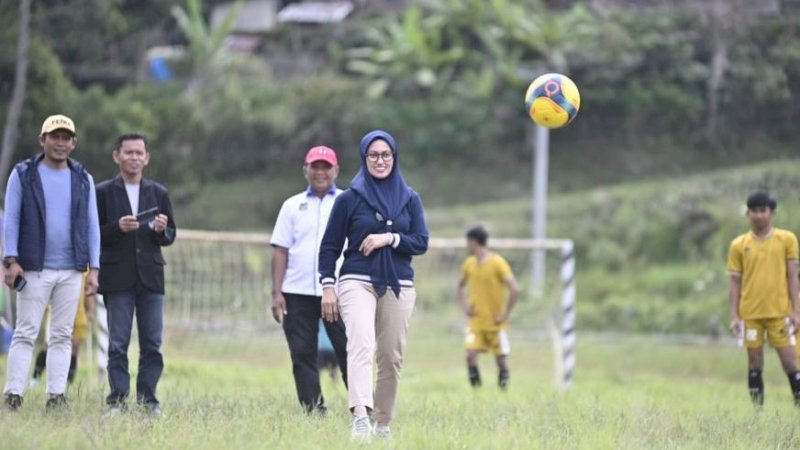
{"x": 651, "y": 254}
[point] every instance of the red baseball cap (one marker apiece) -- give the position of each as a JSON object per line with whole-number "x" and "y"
{"x": 322, "y": 153}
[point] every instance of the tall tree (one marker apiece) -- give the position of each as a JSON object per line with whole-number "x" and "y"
{"x": 18, "y": 94}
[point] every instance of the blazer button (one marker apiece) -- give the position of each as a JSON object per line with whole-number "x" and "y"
{"x": 138, "y": 250}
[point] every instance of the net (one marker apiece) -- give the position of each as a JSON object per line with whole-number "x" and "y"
{"x": 220, "y": 282}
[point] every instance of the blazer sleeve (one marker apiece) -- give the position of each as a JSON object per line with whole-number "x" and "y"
{"x": 415, "y": 241}
{"x": 333, "y": 240}
{"x": 166, "y": 238}
{"x": 110, "y": 233}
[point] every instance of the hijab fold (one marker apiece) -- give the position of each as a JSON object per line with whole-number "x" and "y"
{"x": 388, "y": 197}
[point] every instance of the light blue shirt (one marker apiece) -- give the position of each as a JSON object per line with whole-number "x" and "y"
{"x": 59, "y": 253}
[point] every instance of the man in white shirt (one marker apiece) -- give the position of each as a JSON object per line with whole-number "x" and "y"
{"x": 296, "y": 292}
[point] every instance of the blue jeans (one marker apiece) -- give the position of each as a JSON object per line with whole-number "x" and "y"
{"x": 149, "y": 310}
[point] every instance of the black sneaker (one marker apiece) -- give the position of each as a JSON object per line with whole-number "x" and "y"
{"x": 13, "y": 402}
{"x": 56, "y": 402}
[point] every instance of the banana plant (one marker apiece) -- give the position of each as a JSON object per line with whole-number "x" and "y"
{"x": 206, "y": 43}
{"x": 405, "y": 55}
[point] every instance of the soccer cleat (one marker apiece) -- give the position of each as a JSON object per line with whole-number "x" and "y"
{"x": 755, "y": 385}
{"x": 502, "y": 379}
{"x": 794, "y": 383}
{"x": 13, "y": 402}
{"x": 361, "y": 428}
{"x": 56, "y": 402}
{"x": 474, "y": 376}
{"x": 383, "y": 432}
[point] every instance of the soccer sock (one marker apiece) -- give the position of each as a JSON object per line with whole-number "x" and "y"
{"x": 41, "y": 362}
{"x": 474, "y": 376}
{"x": 756, "y": 385}
{"x": 794, "y": 382}
{"x": 502, "y": 379}
{"x": 73, "y": 368}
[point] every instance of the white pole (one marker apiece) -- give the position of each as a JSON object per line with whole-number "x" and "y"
{"x": 540, "y": 175}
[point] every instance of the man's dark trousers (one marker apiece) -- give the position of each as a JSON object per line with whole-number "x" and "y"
{"x": 149, "y": 310}
{"x": 301, "y": 326}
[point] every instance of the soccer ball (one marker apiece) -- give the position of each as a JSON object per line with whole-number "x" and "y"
{"x": 553, "y": 100}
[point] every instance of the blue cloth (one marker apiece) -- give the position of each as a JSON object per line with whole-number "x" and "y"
{"x": 323, "y": 341}
{"x": 374, "y": 206}
{"x": 51, "y": 217}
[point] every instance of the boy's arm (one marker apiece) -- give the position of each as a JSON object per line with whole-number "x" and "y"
{"x": 736, "y": 270}
{"x": 734, "y": 295}
{"x": 513, "y": 296}
{"x": 461, "y": 293}
{"x": 794, "y": 288}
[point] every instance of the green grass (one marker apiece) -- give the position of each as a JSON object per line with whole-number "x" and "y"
{"x": 630, "y": 393}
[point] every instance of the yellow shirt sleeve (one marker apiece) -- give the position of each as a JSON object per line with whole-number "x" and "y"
{"x": 735, "y": 265}
{"x": 503, "y": 269}
{"x": 792, "y": 252}
{"x": 464, "y": 269}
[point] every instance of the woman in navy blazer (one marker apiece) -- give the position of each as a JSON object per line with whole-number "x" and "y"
{"x": 383, "y": 223}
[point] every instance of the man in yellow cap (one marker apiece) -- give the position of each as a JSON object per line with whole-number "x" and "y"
{"x": 52, "y": 236}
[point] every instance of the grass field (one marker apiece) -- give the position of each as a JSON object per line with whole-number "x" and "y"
{"x": 630, "y": 393}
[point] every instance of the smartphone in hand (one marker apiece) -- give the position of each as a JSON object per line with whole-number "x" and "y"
{"x": 20, "y": 283}
{"x": 147, "y": 215}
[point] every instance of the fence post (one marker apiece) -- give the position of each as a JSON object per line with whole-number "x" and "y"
{"x": 568, "y": 314}
{"x": 102, "y": 336}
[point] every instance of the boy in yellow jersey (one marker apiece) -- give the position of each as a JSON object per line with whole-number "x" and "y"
{"x": 488, "y": 278}
{"x": 763, "y": 293}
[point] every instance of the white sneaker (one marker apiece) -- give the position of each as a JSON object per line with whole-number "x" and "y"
{"x": 361, "y": 428}
{"x": 383, "y": 433}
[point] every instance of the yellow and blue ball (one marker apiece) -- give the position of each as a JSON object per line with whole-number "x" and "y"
{"x": 553, "y": 100}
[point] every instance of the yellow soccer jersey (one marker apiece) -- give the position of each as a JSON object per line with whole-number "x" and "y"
{"x": 487, "y": 290}
{"x": 761, "y": 262}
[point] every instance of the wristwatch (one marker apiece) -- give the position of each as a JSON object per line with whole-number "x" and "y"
{"x": 8, "y": 261}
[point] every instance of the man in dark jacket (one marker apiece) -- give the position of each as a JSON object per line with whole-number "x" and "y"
{"x": 132, "y": 270}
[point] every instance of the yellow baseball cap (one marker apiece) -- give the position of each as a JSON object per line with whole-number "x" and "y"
{"x": 58, "y": 122}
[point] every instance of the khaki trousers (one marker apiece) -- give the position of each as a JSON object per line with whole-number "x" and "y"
{"x": 376, "y": 331}
{"x": 61, "y": 289}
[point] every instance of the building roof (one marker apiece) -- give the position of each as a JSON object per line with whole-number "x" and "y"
{"x": 255, "y": 16}
{"x": 316, "y": 12}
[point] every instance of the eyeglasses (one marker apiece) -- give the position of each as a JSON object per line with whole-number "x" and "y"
{"x": 374, "y": 156}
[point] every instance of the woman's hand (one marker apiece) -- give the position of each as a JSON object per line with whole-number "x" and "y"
{"x": 330, "y": 305}
{"x": 374, "y": 242}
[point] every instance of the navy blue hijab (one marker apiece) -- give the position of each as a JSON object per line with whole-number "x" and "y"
{"x": 388, "y": 197}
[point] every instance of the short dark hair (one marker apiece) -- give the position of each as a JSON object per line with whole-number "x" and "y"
{"x": 761, "y": 200}
{"x": 131, "y": 137}
{"x": 479, "y": 235}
